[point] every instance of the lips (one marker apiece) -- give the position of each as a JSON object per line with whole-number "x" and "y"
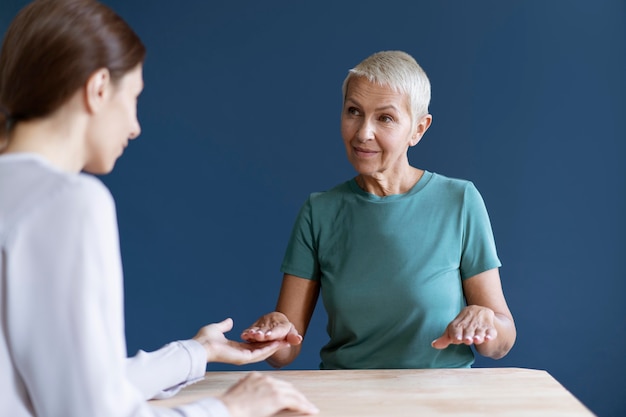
{"x": 364, "y": 152}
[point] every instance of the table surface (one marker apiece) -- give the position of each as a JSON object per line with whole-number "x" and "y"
{"x": 413, "y": 392}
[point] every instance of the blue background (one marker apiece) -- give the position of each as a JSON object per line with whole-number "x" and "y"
{"x": 240, "y": 119}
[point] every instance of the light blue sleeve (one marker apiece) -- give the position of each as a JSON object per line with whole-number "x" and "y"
{"x": 162, "y": 373}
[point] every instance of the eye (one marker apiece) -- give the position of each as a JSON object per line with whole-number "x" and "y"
{"x": 353, "y": 111}
{"x": 386, "y": 118}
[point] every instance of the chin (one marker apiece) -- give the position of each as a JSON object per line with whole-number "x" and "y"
{"x": 100, "y": 168}
{"x": 363, "y": 170}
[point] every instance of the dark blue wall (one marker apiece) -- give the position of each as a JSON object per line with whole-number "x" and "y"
{"x": 240, "y": 119}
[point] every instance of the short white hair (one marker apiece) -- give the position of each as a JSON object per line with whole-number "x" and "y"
{"x": 399, "y": 71}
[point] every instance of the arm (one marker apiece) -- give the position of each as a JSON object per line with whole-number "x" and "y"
{"x": 162, "y": 373}
{"x": 220, "y": 349}
{"x": 70, "y": 332}
{"x": 486, "y": 322}
{"x": 294, "y": 309}
{"x": 70, "y": 309}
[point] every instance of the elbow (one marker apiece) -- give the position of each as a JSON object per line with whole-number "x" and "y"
{"x": 499, "y": 354}
{"x": 276, "y": 361}
{"x": 498, "y": 348}
{"x": 494, "y": 352}
{"x": 275, "y": 364}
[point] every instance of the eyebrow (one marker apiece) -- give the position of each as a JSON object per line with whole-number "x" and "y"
{"x": 387, "y": 107}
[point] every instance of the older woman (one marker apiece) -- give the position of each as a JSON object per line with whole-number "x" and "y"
{"x": 70, "y": 75}
{"x": 404, "y": 258}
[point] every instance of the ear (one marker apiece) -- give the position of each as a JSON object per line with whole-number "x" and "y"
{"x": 97, "y": 90}
{"x": 420, "y": 128}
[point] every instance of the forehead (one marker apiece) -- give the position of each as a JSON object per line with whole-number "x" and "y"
{"x": 362, "y": 91}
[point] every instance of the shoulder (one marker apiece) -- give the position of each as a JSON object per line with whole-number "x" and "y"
{"x": 74, "y": 195}
{"x": 58, "y": 208}
{"x": 38, "y": 190}
{"x": 450, "y": 182}
{"x": 84, "y": 200}
{"x": 451, "y": 186}
{"x": 333, "y": 194}
{"x": 321, "y": 203}
{"x": 86, "y": 189}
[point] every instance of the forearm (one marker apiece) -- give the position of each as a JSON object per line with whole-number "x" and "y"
{"x": 161, "y": 373}
{"x": 498, "y": 347}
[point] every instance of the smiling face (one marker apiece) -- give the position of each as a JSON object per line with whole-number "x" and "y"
{"x": 377, "y": 129}
{"x": 115, "y": 123}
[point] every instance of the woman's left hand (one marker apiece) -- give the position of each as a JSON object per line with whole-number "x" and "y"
{"x": 474, "y": 325}
{"x": 221, "y": 349}
{"x": 486, "y": 322}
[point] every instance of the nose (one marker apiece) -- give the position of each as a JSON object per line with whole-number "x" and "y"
{"x": 365, "y": 132}
{"x": 135, "y": 132}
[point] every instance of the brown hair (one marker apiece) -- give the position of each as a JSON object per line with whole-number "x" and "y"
{"x": 50, "y": 50}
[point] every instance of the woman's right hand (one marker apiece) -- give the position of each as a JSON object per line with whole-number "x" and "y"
{"x": 259, "y": 395}
{"x": 271, "y": 327}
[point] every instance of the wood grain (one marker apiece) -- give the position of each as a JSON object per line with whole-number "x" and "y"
{"x": 413, "y": 392}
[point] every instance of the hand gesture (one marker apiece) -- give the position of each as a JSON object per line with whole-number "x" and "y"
{"x": 473, "y": 325}
{"x": 271, "y": 327}
{"x": 221, "y": 349}
{"x": 257, "y": 395}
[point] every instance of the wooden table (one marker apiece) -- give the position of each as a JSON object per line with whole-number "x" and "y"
{"x": 414, "y": 392}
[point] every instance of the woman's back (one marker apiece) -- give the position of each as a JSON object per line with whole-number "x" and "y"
{"x": 53, "y": 226}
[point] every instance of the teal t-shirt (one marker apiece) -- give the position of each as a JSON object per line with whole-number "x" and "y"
{"x": 390, "y": 269}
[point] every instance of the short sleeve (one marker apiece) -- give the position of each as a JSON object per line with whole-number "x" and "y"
{"x": 301, "y": 254}
{"x": 478, "y": 246}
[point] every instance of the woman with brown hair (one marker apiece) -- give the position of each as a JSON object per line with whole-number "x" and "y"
{"x": 70, "y": 75}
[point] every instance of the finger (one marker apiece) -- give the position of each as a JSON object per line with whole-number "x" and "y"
{"x": 266, "y": 348}
{"x": 265, "y": 396}
{"x": 254, "y": 334}
{"x": 289, "y": 340}
{"x": 256, "y": 354}
{"x": 468, "y": 336}
{"x": 490, "y": 334}
{"x": 462, "y": 330}
{"x": 441, "y": 342}
{"x": 290, "y": 398}
{"x": 258, "y": 331}
{"x": 265, "y": 334}
{"x": 248, "y": 335}
{"x": 293, "y": 337}
{"x": 480, "y": 335}
{"x": 475, "y": 333}
{"x": 225, "y": 325}
{"x": 294, "y": 400}
{"x": 457, "y": 334}
{"x": 244, "y": 353}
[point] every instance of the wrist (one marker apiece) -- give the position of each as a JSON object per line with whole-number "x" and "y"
{"x": 206, "y": 348}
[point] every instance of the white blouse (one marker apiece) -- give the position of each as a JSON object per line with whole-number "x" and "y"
{"x": 62, "y": 345}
